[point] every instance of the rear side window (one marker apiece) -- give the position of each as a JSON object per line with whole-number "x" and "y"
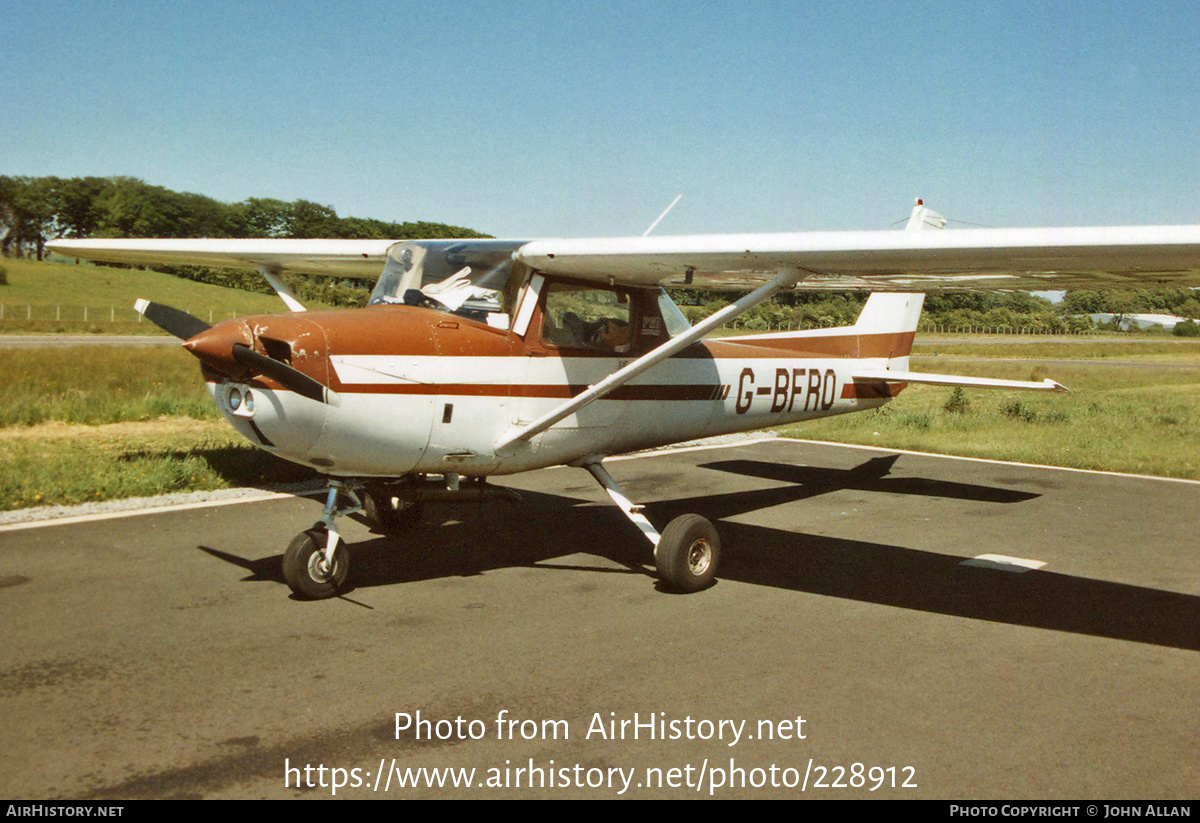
{"x": 589, "y": 318}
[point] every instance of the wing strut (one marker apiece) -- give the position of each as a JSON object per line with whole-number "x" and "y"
{"x": 784, "y": 279}
{"x": 281, "y": 288}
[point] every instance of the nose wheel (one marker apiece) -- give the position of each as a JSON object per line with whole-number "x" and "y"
{"x": 307, "y": 571}
{"x": 316, "y": 563}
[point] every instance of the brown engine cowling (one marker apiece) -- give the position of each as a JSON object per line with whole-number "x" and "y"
{"x": 288, "y": 339}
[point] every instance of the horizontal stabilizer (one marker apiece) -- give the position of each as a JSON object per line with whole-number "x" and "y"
{"x": 888, "y": 376}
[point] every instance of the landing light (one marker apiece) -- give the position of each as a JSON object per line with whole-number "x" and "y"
{"x": 239, "y": 400}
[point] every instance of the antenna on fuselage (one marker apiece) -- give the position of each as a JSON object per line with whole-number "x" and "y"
{"x": 664, "y": 214}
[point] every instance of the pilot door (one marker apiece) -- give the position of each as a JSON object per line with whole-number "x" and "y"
{"x": 576, "y": 335}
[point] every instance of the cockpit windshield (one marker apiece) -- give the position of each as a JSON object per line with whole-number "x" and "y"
{"x": 466, "y": 277}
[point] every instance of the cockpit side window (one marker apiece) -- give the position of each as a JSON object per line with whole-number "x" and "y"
{"x": 588, "y": 318}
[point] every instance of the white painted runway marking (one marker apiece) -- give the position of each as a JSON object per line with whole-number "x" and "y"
{"x": 986, "y": 460}
{"x": 1004, "y": 563}
{"x": 175, "y": 507}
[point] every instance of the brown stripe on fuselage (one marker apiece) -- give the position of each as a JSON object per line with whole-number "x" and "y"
{"x": 409, "y": 330}
{"x": 563, "y": 392}
{"x": 395, "y": 329}
{"x": 667, "y": 391}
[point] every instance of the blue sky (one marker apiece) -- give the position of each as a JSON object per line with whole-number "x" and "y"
{"x": 526, "y": 119}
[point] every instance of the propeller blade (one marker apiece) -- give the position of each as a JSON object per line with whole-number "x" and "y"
{"x": 284, "y": 375}
{"x": 173, "y": 321}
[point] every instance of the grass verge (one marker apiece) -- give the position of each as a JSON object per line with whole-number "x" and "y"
{"x": 55, "y": 298}
{"x": 100, "y": 384}
{"x": 1118, "y": 418}
{"x": 62, "y": 464}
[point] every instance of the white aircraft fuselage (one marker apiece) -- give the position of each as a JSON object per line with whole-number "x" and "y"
{"x": 423, "y": 391}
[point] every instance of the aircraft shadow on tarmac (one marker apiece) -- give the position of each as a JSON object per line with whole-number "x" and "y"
{"x": 545, "y": 526}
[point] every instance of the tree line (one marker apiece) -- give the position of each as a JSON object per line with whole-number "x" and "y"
{"x": 34, "y": 210}
{"x": 957, "y": 310}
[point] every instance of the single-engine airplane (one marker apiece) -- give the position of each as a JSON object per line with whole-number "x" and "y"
{"x": 488, "y": 357}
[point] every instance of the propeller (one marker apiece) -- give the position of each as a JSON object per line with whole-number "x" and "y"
{"x": 218, "y": 346}
{"x": 285, "y": 375}
{"x": 173, "y": 321}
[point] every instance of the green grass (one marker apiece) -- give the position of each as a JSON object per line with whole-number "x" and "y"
{"x": 51, "y": 298}
{"x": 1117, "y": 418}
{"x": 73, "y": 466}
{"x": 100, "y": 384}
{"x": 1142, "y": 349}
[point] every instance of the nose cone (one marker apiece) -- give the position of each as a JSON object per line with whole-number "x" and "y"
{"x": 214, "y": 347}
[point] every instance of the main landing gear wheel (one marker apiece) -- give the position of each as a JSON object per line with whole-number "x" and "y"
{"x": 687, "y": 553}
{"x": 391, "y": 515}
{"x": 306, "y": 571}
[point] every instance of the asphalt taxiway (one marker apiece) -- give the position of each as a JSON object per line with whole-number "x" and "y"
{"x": 972, "y": 629}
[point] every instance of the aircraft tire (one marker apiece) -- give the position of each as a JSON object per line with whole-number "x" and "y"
{"x": 303, "y": 566}
{"x": 389, "y": 519}
{"x": 688, "y": 553}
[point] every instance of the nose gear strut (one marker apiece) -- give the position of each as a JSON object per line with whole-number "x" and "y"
{"x": 316, "y": 563}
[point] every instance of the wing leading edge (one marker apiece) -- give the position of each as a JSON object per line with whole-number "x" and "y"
{"x": 340, "y": 258}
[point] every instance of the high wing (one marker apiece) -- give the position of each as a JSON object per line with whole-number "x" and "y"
{"x": 1041, "y": 259}
{"x": 340, "y": 258}
{"x": 896, "y": 261}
